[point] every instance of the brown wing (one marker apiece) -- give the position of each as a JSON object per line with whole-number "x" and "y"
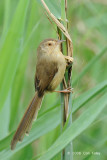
{"x": 45, "y": 72}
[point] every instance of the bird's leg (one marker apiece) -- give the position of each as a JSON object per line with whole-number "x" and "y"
{"x": 67, "y": 90}
{"x": 69, "y": 60}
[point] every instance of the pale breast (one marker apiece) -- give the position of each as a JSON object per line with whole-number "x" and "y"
{"x": 60, "y": 74}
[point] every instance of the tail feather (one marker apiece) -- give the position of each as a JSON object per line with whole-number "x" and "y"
{"x": 26, "y": 122}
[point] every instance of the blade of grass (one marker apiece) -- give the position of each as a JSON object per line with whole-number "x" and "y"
{"x": 19, "y": 78}
{"x": 85, "y": 97}
{"x": 89, "y": 65}
{"x": 54, "y": 7}
{"x": 43, "y": 125}
{"x": 10, "y": 53}
{"x": 4, "y": 118}
{"x": 76, "y": 128}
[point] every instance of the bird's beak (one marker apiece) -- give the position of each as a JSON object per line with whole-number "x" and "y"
{"x": 60, "y": 41}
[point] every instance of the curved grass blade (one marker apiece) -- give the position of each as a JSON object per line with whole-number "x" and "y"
{"x": 76, "y": 128}
{"x": 54, "y": 7}
{"x": 85, "y": 97}
{"x": 43, "y": 125}
{"x": 89, "y": 65}
{"x": 10, "y": 53}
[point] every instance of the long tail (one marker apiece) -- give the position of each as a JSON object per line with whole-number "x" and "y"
{"x": 26, "y": 122}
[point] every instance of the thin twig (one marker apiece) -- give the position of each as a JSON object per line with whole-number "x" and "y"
{"x": 52, "y": 25}
{"x": 60, "y": 26}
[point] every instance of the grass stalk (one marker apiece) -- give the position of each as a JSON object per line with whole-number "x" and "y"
{"x": 66, "y": 99}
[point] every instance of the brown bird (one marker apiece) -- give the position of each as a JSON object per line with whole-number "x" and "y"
{"x": 50, "y": 69}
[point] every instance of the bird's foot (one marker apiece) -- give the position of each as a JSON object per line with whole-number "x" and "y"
{"x": 67, "y": 90}
{"x": 69, "y": 60}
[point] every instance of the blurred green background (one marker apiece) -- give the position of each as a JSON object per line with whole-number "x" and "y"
{"x": 23, "y": 25}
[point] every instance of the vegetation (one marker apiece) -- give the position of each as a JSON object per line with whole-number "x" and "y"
{"x": 23, "y": 25}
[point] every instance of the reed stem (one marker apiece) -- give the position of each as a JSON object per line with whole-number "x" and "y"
{"x": 66, "y": 99}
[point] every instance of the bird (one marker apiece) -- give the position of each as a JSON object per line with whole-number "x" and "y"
{"x": 50, "y": 69}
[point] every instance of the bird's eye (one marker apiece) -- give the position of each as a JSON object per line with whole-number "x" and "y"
{"x": 49, "y": 44}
